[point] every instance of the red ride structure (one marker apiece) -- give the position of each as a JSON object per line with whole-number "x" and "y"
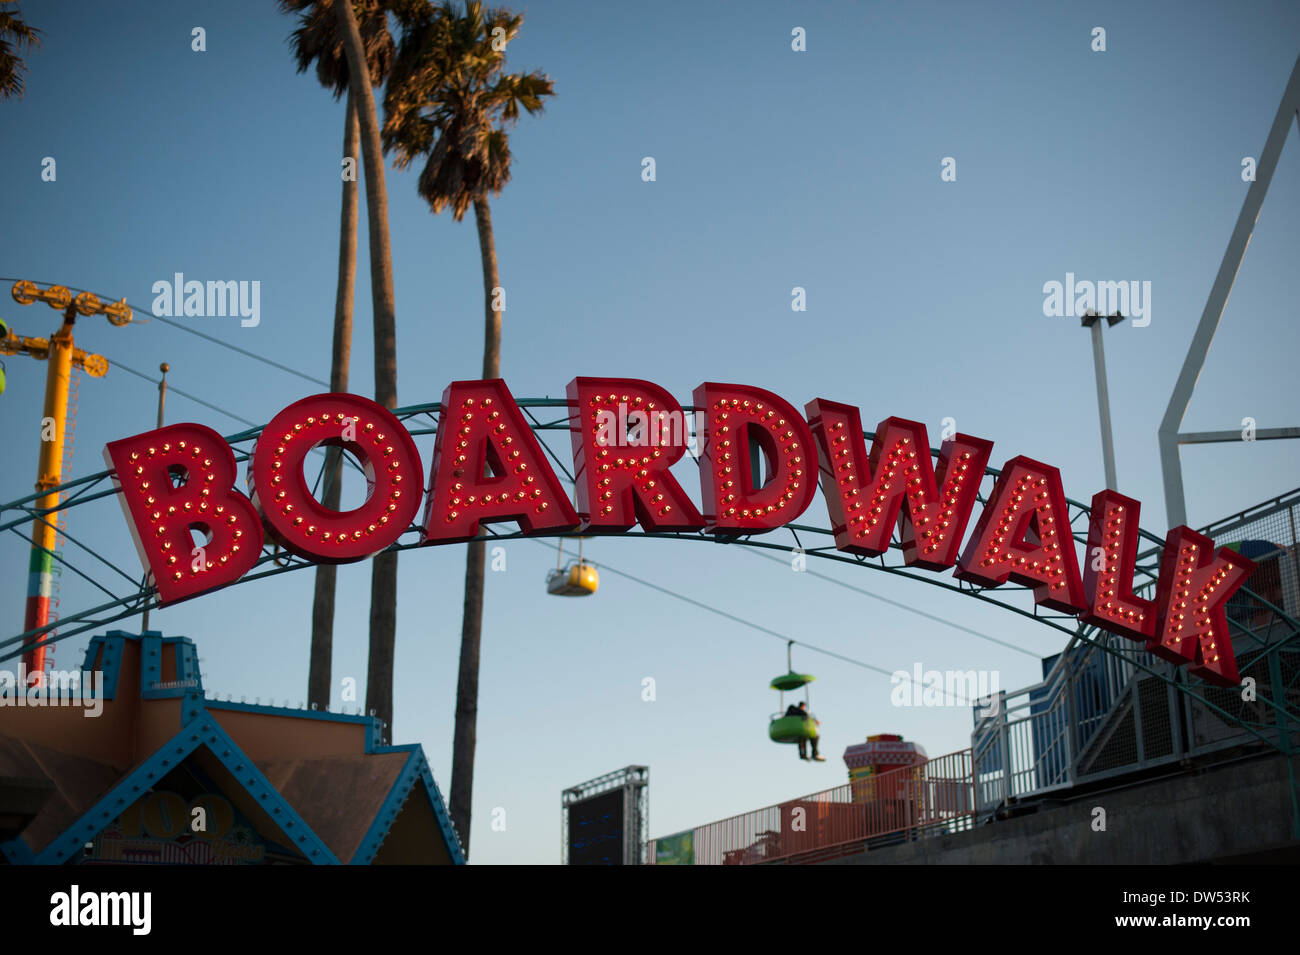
{"x": 895, "y": 793}
{"x": 878, "y": 783}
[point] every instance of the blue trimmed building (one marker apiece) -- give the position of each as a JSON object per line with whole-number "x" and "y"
{"x": 141, "y": 768}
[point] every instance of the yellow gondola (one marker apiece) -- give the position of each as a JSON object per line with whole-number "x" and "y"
{"x": 578, "y": 579}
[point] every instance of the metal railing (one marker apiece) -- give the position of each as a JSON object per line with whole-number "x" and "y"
{"x": 902, "y": 805}
{"x": 1107, "y": 707}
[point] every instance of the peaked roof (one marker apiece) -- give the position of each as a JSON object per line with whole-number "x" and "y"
{"x": 323, "y": 779}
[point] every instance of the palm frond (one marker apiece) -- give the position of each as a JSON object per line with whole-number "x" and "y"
{"x": 318, "y": 40}
{"x": 449, "y": 99}
{"x": 16, "y": 36}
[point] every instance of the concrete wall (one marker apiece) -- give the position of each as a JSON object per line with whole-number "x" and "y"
{"x": 1215, "y": 814}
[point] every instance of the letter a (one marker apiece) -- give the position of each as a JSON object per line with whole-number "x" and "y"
{"x": 488, "y": 467}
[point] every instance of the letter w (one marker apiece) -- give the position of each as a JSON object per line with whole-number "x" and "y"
{"x": 865, "y": 496}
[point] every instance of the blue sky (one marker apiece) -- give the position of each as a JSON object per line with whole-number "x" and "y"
{"x": 775, "y": 169}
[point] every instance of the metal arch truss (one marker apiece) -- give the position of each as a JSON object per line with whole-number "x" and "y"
{"x": 1169, "y": 437}
{"x": 1264, "y": 635}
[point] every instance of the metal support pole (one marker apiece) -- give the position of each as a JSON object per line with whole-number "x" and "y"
{"x": 1170, "y": 465}
{"x": 162, "y": 400}
{"x": 1295, "y": 563}
{"x": 1284, "y": 736}
{"x": 1177, "y": 725}
{"x": 162, "y": 390}
{"x": 1103, "y": 407}
{"x": 1295, "y": 796}
{"x": 62, "y": 355}
{"x": 40, "y": 568}
{"x": 1004, "y": 743}
{"x": 1071, "y": 722}
{"x": 1135, "y": 700}
{"x": 1236, "y": 435}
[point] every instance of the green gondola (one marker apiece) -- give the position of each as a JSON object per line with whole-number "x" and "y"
{"x": 791, "y": 681}
{"x": 791, "y": 729}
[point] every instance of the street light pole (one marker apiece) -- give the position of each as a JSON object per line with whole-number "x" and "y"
{"x": 1091, "y": 320}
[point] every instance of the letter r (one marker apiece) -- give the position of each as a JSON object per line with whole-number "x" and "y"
{"x": 617, "y": 484}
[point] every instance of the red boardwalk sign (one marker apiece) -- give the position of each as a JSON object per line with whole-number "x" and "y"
{"x": 488, "y": 467}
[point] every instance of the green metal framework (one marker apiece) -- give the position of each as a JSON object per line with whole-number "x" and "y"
{"x": 1266, "y": 638}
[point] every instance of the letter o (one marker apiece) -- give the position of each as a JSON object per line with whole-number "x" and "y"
{"x": 302, "y": 524}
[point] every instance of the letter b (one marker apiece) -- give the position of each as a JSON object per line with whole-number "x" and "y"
{"x": 174, "y": 480}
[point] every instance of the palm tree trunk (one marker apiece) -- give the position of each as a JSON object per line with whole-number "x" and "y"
{"x": 471, "y": 633}
{"x": 465, "y": 740}
{"x": 322, "y": 608}
{"x": 491, "y": 317}
{"x": 383, "y": 577}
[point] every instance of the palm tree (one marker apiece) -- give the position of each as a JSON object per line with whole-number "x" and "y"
{"x": 14, "y": 36}
{"x": 318, "y": 40}
{"x": 448, "y": 100}
{"x": 383, "y": 573}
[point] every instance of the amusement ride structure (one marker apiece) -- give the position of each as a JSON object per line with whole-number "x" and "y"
{"x": 1107, "y": 704}
{"x": 1030, "y": 743}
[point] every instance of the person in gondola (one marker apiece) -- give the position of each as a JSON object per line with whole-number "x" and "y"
{"x": 802, "y": 711}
